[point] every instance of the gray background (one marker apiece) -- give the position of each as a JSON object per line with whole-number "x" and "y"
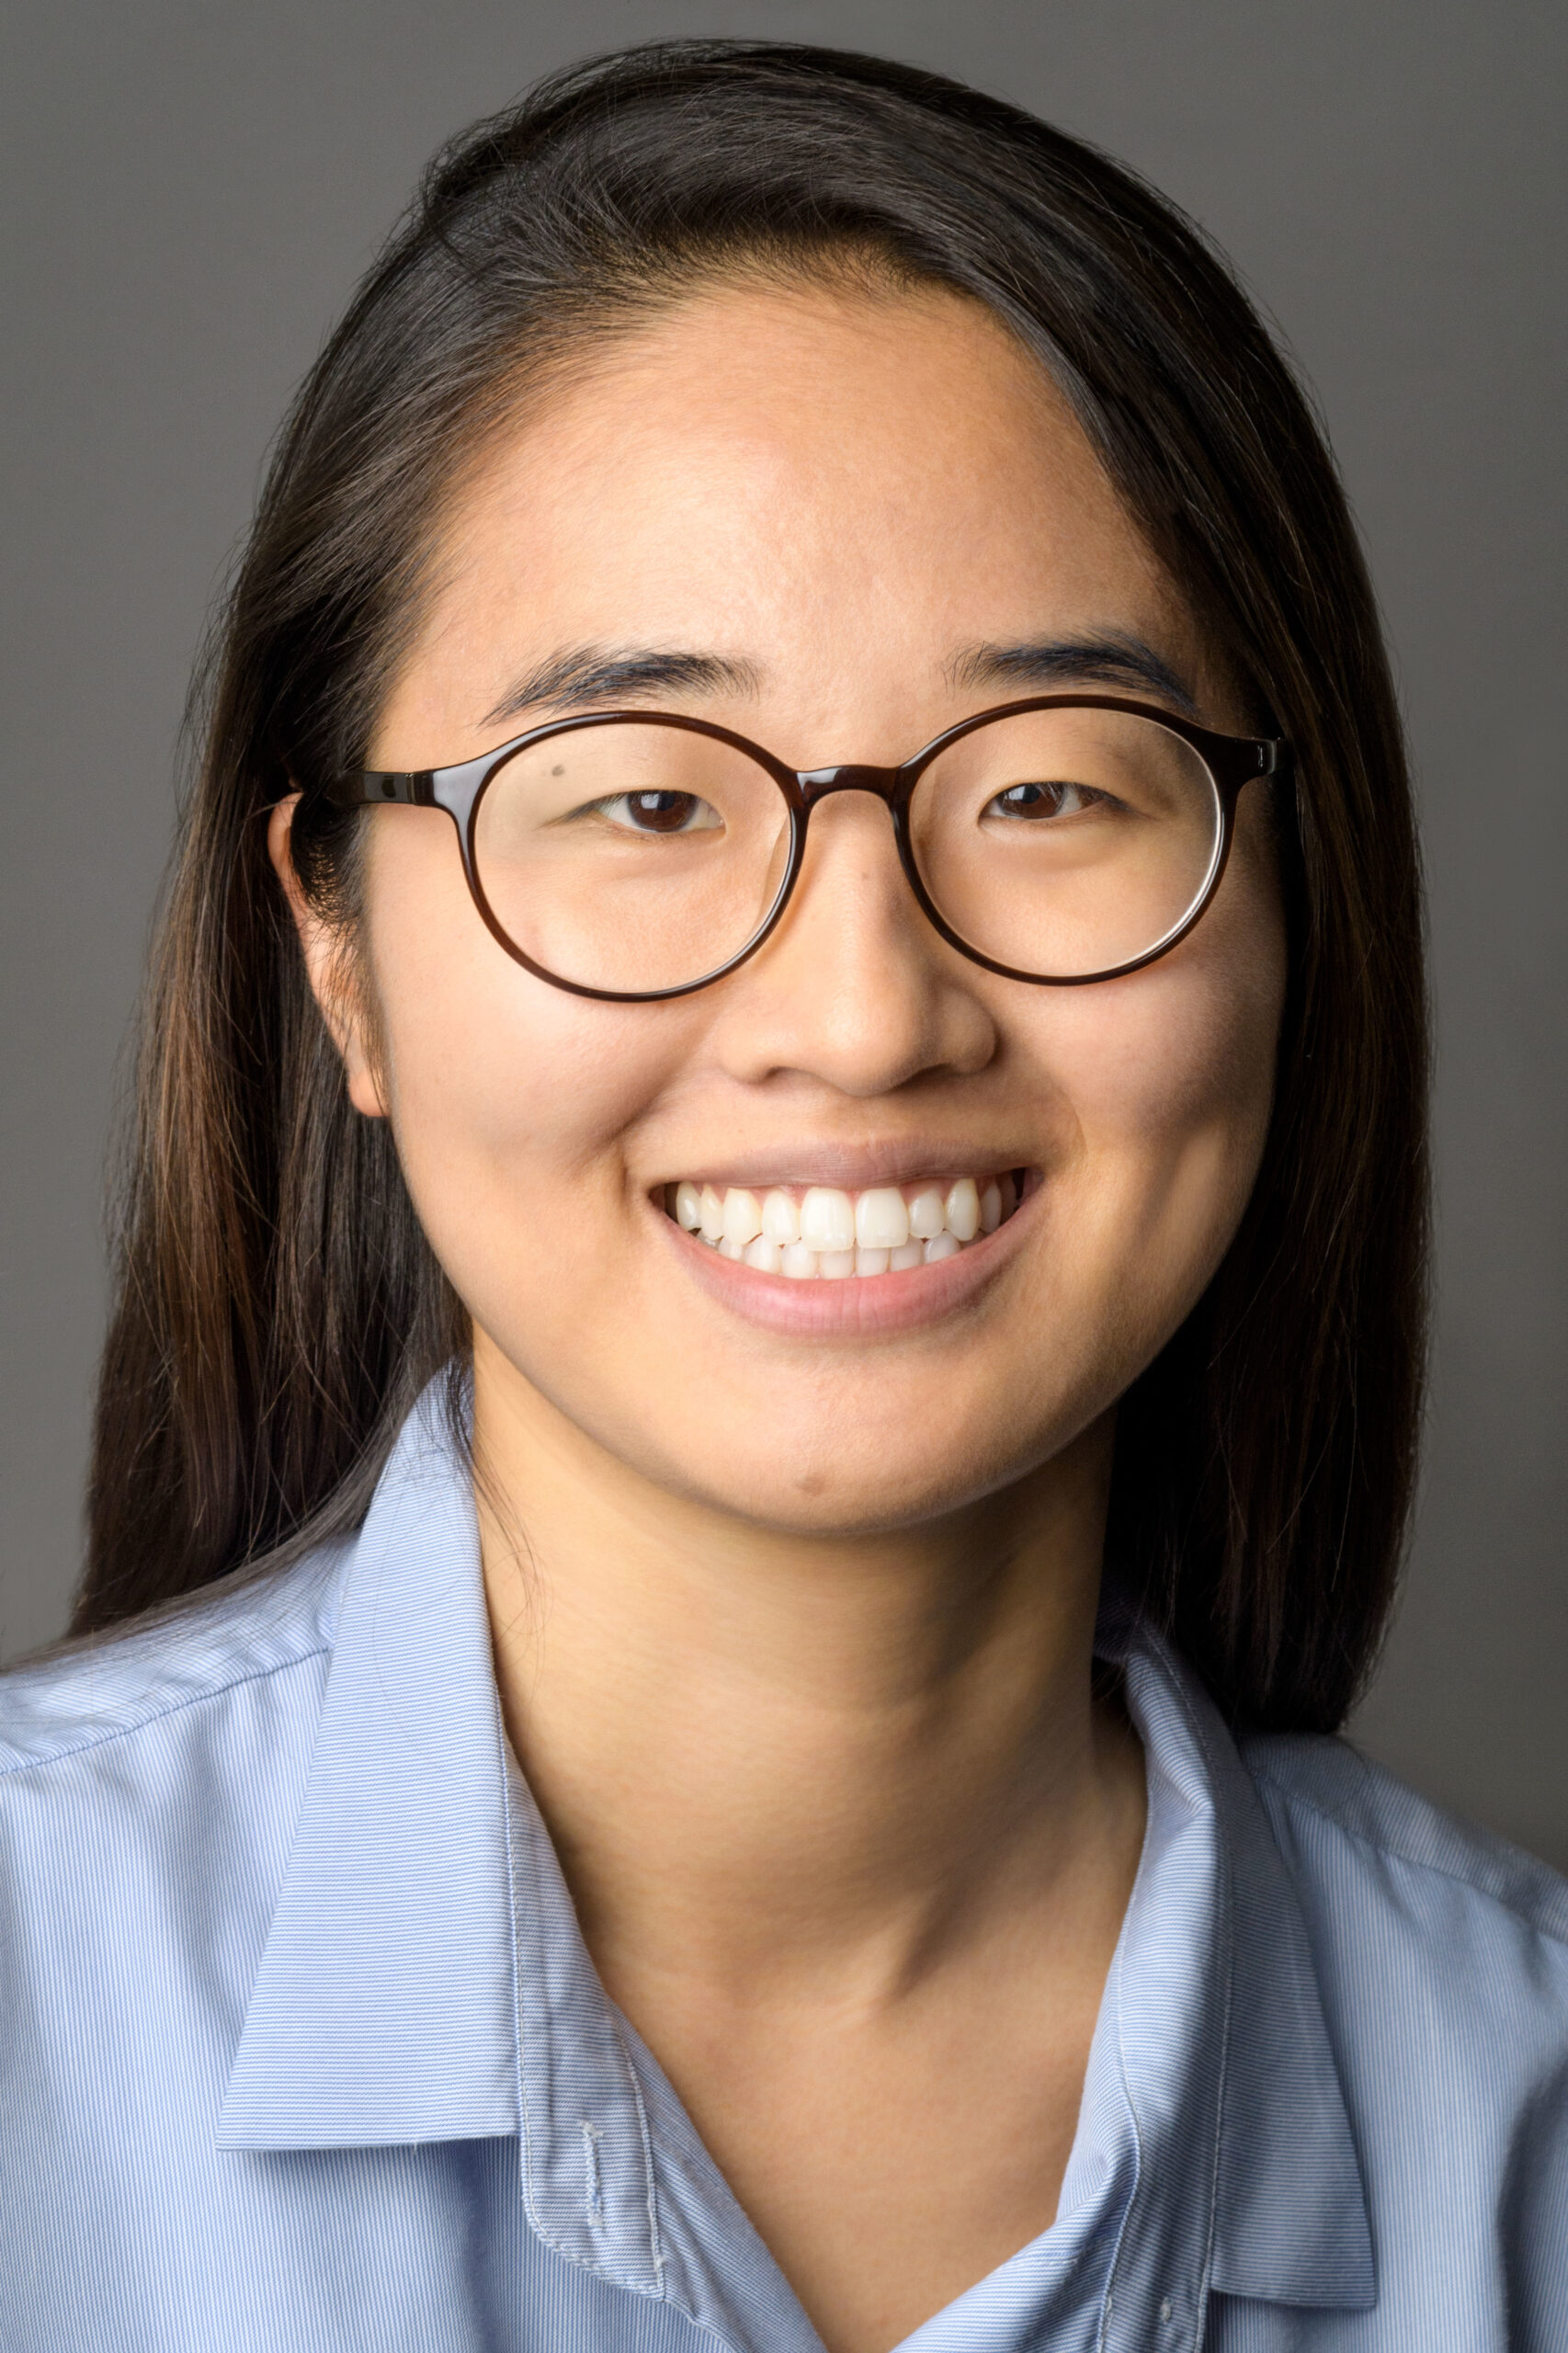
{"x": 190, "y": 193}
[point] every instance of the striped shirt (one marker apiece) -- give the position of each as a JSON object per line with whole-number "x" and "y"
{"x": 301, "y": 2051}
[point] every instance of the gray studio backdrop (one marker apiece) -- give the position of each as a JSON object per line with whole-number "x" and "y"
{"x": 191, "y": 192}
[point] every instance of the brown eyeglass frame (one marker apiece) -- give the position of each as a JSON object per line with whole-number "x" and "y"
{"x": 1231, "y": 760}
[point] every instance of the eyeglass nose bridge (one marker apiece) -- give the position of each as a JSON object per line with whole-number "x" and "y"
{"x": 817, "y": 783}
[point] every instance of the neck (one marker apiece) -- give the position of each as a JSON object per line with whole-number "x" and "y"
{"x": 767, "y": 1755}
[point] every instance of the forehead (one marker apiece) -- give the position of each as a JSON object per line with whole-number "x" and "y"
{"x": 801, "y": 476}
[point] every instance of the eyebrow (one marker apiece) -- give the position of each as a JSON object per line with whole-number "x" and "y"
{"x": 586, "y": 675}
{"x": 1109, "y": 660}
{"x": 591, "y": 674}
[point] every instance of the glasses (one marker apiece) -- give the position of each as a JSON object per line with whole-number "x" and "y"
{"x": 638, "y": 855}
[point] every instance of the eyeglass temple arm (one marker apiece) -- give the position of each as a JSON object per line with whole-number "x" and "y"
{"x": 455, "y": 790}
{"x": 414, "y": 786}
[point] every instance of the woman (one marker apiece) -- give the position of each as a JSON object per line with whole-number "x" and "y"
{"x": 763, "y": 1395}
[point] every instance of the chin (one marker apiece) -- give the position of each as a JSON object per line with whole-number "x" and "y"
{"x": 825, "y": 1487}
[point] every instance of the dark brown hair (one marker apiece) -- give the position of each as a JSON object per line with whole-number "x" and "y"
{"x": 279, "y": 1308}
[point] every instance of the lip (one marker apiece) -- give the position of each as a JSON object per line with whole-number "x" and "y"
{"x": 856, "y": 1168}
{"x": 856, "y": 1307}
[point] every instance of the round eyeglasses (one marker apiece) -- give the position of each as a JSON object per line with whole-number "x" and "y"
{"x": 638, "y": 855}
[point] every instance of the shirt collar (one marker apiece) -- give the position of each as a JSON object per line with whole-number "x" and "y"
{"x": 383, "y": 2007}
{"x": 1222, "y": 2049}
{"x": 423, "y": 1980}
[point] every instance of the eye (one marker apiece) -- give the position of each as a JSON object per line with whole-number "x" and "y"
{"x": 657, "y": 813}
{"x": 1043, "y": 800}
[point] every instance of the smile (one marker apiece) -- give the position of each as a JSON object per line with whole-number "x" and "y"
{"x": 816, "y": 1233}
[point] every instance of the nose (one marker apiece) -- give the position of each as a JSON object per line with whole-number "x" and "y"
{"x": 855, "y": 989}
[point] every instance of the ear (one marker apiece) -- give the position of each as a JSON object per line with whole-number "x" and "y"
{"x": 341, "y": 1005}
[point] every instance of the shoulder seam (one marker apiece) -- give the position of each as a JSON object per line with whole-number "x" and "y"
{"x": 157, "y": 1715}
{"x": 1293, "y": 1797}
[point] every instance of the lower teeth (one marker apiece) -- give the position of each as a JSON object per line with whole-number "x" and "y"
{"x": 833, "y": 1266}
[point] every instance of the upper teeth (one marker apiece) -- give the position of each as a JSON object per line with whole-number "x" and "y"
{"x": 818, "y": 1230}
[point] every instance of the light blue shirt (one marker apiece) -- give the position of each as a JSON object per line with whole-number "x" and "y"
{"x": 301, "y": 2051}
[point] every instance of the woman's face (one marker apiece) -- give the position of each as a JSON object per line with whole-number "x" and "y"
{"x": 819, "y": 519}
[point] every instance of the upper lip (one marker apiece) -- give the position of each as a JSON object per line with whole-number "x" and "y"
{"x": 850, "y": 1168}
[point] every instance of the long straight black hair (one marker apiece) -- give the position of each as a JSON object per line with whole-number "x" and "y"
{"x": 278, "y": 1307}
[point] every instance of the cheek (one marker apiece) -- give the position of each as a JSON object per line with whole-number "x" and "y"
{"x": 507, "y": 1096}
{"x": 1185, "y": 1056}
{"x": 1165, "y": 1083}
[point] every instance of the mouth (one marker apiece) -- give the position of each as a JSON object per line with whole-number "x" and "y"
{"x": 817, "y": 1234}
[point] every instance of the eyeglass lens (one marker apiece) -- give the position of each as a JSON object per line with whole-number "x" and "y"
{"x": 636, "y": 858}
